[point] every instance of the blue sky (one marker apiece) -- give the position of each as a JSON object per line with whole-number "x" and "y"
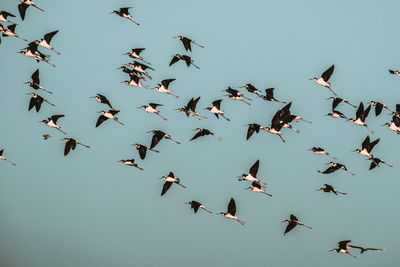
{"x": 88, "y": 210}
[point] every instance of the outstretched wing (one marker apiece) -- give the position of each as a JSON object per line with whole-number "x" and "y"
{"x": 124, "y": 10}
{"x": 186, "y": 43}
{"x": 254, "y": 169}
{"x": 166, "y": 82}
{"x": 269, "y": 93}
{"x": 49, "y": 36}
{"x": 54, "y": 118}
{"x": 100, "y": 120}
{"x": 327, "y": 74}
{"x": 156, "y": 139}
{"x": 378, "y": 109}
{"x": 217, "y": 103}
{"x": 174, "y": 60}
{"x": 232, "y": 207}
{"x": 12, "y": 27}
{"x": 198, "y": 134}
{"x": 142, "y": 151}
{"x": 289, "y": 227}
{"x": 71, "y": 144}
{"x": 165, "y": 188}
{"x": 336, "y": 102}
{"x": 32, "y": 103}
{"x": 22, "y": 9}
{"x": 35, "y": 77}
{"x": 360, "y": 110}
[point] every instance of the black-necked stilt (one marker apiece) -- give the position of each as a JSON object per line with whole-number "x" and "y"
{"x": 102, "y": 99}
{"x": 292, "y": 223}
{"x": 203, "y": 132}
{"x": 395, "y": 72}
{"x": 320, "y": 151}
{"x": 216, "y": 109}
{"x": 140, "y": 67}
{"x": 337, "y": 100}
{"x": 196, "y": 206}
{"x": 252, "y": 175}
{"x": 253, "y": 127}
{"x": 134, "y": 81}
{"x": 343, "y": 248}
{"x": 24, "y": 5}
{"x": 258, "y": 188}
{"x": 46, "y": 136}
{"x": 362, "y": 250}
{"x": 4, "y": 15}
{"x": 71, "y": 144}
{"x": 394, "y": 125}
{"x": 251, "y": 89}
{"x": 190, "y": 109}
{"x": 4, "y": 158}
{"x": 334, "y": 167}
{"x": 36, "y": 101}
{"x": 169, "y": 180}
{"x": 278, "y": 121}
{"x": 143, "y": 150}
{"x": 323, "y": 80}
{"x": 52, "y": 122}
{"x": 158, "y": 135}
{"x": 10, "y": 31}
{"x": 336, "y": 114}
{"x": 33, "y": 52}
{"x": 378, "y": 107}
{"x": 186, "y": 42}
{"x": 45, "y": 42}
{"x": 236, "y": 95}
{"x": 136, "y": 54}
{"x": 231, "y": 212}
{"x": 132, "y": 73}
{"x": 35, "y": 83}
{"x": 397, "y": 112}
{"x": 124, "y": 13}
{"x": 189, "y": 61}
{"x": 163, "y": 87}
{"x": 375, "y": 163}
{"x": 107, "y": 115}
{"x": 269, "y": 96}
{"x": 130, "y": 162}
{"x": 367, "y": 147}
{"x": 361, "y": 116}
{"x": 152, "y": 108}
{"x": 329, "y": 189}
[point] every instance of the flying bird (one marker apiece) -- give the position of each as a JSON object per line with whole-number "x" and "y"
{"x": 329, "y": 189}
{"x": 33, "y": 52}
{"x": 36, "y": 101}
{"x": 134, "y": 81}
{"x": 216, "y": 109}
{"x": 269, "y": 96}
{"x": 158, "y": 135}
{"x": 189, "y": 61}
{"x": 395, "y": 72}
{"x": 394, "y": 125}
{"x": 143, "y": 150}
{"x": 35, "y": 83}
{"x": 52, "y": 122}
{"x": 251, "y": 89}
{"x": 231, "y": 212}
{"x": 190, "y": 109}
{"x": 130, "y": 162}
{"x": 102, "y": 99}
{"x": 152, "y": 108}
{"x": 4, "y": 15}
{"x": 10, "y": 31}
{"x": 361, "y": 115}
{"x": 140, "y": 67}
{"x": 336, "y": 115}
{"x": 343, "y": 248}
{"x": 124, "y": 13}
{"x": 45, "y": 42}
{"x": 337, "y": 100}
{"x": 46, "y": 136}
{"x": 236, "y": 95}
{"x": 334, "y": 167}
{"x": 196, "y": 206}
{"x": 253, "y": 127}
{"x": 136, "y": 54}
{"x": 320, "y": 151}
{"x": 366, "y": 147}
{"x": 71, "y": 144}
{"x": 163, "y": 87}
{"x": 24, "y": 5}
{"x": 378, "y": 107}
{"x": 186, "y": 42}
{"x": 323, "y": 80}
{"x": 258, "y": 188}
{"x": 375, "y": 163}
{"x": 252, "y": 175}
{"x": 278, "y": 121}
{"x": 292, "y": 223}
{"x": 107, "y": 115}
{"x": 169, "y": 180}
{"x": 203, "y": 132}
{"x": 4, "y": 158}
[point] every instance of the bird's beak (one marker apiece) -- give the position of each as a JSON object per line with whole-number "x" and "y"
{"x": 28, "y": 93}
{"x": 310, "y": 78}
{"x": 138, "y": 107}
{"x": 327, "y": 98}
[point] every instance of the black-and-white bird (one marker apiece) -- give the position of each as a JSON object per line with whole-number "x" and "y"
{"x": 107, "y": 115}
{"x": 320, "y": 151}
{"x": 35, "y": 83}
{"x": 130, "y": 162}
{"x": 169, "y": 180}
{"x": 136, "y": 54}
{"x": 4, "y": 15}
{"x": 152, "y": 108}
{"x": 45, "y": 42}
{"x": 163, "y": 87}
{"x": 236, "y": 95}
{"x": 258, "y": 188}
{"x": 336, "y": 115}
{"x": 292, "y": 223}
{"x": 343, "y": 248}
{"x": 102, "y": 99}
{"x": 278, "y": 121}
{"x": 143, "y": 150}
{"x": 132, "y": 73}
{"x": 361, "y": 115}
{"x": 379, "y": 107}
{"x": 362, "y": 249}
{"x": 71, "y": 144}
{"x": 10, "y": 32}
{"x": 158, "y": 135}
{"x": 190, "y": 109}
{"x": 323, "y": 80}
{"x": 252, "y": 175}
{"x": 140, "y": 67}
{"x": 251, "y": 89}
{"x": 269, "y": 96}
{"x": 376, "y": 161}
{"x": 231, "y": 212}
{"x": 36, "y": 101}
{"x": 337, "y": 100}
{"x": 366, "y": 147}
{"x": 395, "y": 72}
{"x": 394, "y": 125}
{"x": 124, "y": 13}
{"x": 187, "y": 42}
{"x": 253, "y": 127}
{"x": 33, "y": 52}
{"x": 189, "y": 61}
{"x": 216, "y": 109}
{"x": 203, "y": 132}
{"x": 4, "y": 158}
{"x": 196, "y": 206}
{"x": 329, "y": 189}
{"x": 52, "y": 122}
{"x": 134, "y": 81}
{"x": 24, "y": 5}
{"x": 334, "y": 167}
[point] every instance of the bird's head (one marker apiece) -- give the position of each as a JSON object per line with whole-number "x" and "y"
{"x": 141, "y": 107}
{"x": 136, "y": 145}
{"x": 197, "y": 130}
{"x": 208, "y": 108}
{"x": 330, "y": 98}
{"x": 178, "y": 37}
{"x": 373, "y": 103}
{"x": 285, "y": 221}
{"x": 356, "y": 150}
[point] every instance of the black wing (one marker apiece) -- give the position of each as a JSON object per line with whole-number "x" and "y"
{"x": 22, "y": 9}
{"x": 198, "y": 134}
{"x": 336, "y": 102}
{"x": 378, "y": 109}
{"x": 186, "y": 43}
{"x": 71, "y": 144}
{"x": 100, "y": 120}
{"x": 329, "y": 187}
{"x": 232, "y": 207}
{"x": 113, "y": 111}
{"x": 366, "y": 112}
{"x": 289, "y": 227}
{"x": 1, "y": 152}
{"x": 142, "y": 151}
{"x": 39, "y": 101}
{"x": 154, "y": 105}
{"x": 12, "y": 27}
{"x": 124, "y": 10}
{"x": 166, "y": 82}
{"x": 171, "y": 174}
{"x": 293, "y": 218}
{"x": 32, "y": 103}
{"x": 6, "y": 14}
{"x": 49, "y": 36}
{"x": 195, "y": 206}
{"x": 254, "y": 169}
{"x": 343, "y": 244}
{"x": 396, "y": 121}
{"x": 397, "y": 107}
{"x": 187, "y": 59}
{"x": 327, "y": 74}
{"x": 137, "y": 51}
{"x": 194, "y": 104}
{"x": 35, "y": 77}
{"x": 174, "y": 60}
{"x": 371, "y": 145}
{"x": 54, "y": 118}
{"x": 269, "y": 93}
{"x": 360, "y": 110}
{"x": 165, "y": 188}
{"x": 217, "y": 103}
{"x": 366, "y": 142}
{"x": 251, "y": 130}
{"x": 330, "y": 170}
{"x": 156, "y": 138}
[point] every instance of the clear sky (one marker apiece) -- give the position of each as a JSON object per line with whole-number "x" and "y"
{"x": 88, "y": 210}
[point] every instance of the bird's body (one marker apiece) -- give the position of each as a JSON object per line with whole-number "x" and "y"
{"x": 231, "y": 212}
{"x": 52, "y": 122}
{"x": 152, "y": 108}
{"x": 141, "y": 68}
{"x": 269, "y": 96}
{"x": 320, "y": 151}
{"x": 45, "y": 42}
{"x": 158, "y": 135}
{"x": 189, "y": 61}
{"x": 236, "y": 95}
{"x": 337, "y": 100}
{"x": 102, "y": 99}
{"x": 292, "y": 223}
{"x": 343, "y": 248}
{"x": 169, "y": 180}
{"x": 395, "y": 72}
{"x": 107, "y": 115}
{"x": 36, "y": 101}
{"x": 197, "y": 205}
{"x": 130, "y": 162}
{"x": 334, "y": 167}
{"x": 123, "y": 12}
{"x": 35, "y": 83}
{"x": 187, "y": 42}
{"x": 337, "y": 115}
{"x": 136, "y": 54}
{"x": 323, "y": 80}
{"x": 142, "y": 149}
{"x": 203, "y": 132}
{"x": 329, "y": 189}
{"x": 163, "y": 87}
{"x": 216, "y": 109}
{"x": 258, "y": 188}
{"x": 394, "y": 125}
{"x": 71, "y": 144}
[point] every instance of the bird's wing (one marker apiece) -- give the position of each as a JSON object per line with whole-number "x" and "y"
{"x": 1, "y": 152}
{"x": 167, "y": 82}
{"x": 125, "y": 10}
{"x": 32, "y": 103}
{"x": 12, "y": 27}
{"x": 193, "y": 106}
{"x": 195, "y": 205}
{"x": 186, "y": 43}
{"x": 174, "y": 60}
{"x": 396, "y": 121}
{"x": 232, "y": 207}
{"x": 100, "y": 120}
{"x": 39, "y": 101}
{"x": 138, "y": 50}
{"x": 371, "y": 145}
{"x": 165, "y": 188}
{"x": 254, "y": 169}
{"x": 54, "y": 118}
{"x": 142, "y": 151}
{"x": 330, "y": 169}
{"x": 250, "y": 132}
{"x": 49, "y": 36}
{"x": 293, "y": 218}
{"x": 366, "y": 112}
{"x": 113, "y": 111}
{"x": 269, "y": 92}
{"x": 360, "y": 110}
{"x": 329, "y": 187}
{"x": 154, "y": 105}
{"x": 327, "y": 74}
{"x": 171, "y": 174}
{"x": 343, "y": 244}
{"x": 336, "y": 102}
{"x": 366, "y": 142}
{"x": 289, "y": 227}
{"x": 156, "y": 138}
{"x": 68, "y": 146}
{"x": 35, "y": 77}
{"x": 378, "y": 109}
{"x": 256, "y": 184}
{"x": 217, "y": 103}
{"x": 397, "y": 107}
{"x": 198, "y": 134}
{"x": 22, "y": 9}
{"x": 5, "y": 13}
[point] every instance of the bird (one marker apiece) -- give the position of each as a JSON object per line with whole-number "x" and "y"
{"x": 196, "y": 206}
{"x": 277, "y": 123}
{"x": 269, "y": 96}
{"x": 395, "y": 72}
{"x": 251, "y": 89}
{"x": 362, "y": 250}
{"x": 136, "y": 54}
{"x": 35, "y": 83}
{"x": 4, "y": 15}
{"x": 189, "y": 61}
{"x": 190, "y": 109}
{"x": 163, "y": 87}
{"x": 334, "y": 167}
{"x": 132, "y": 73}
{"x": 375, "y": 163}
{"x": 143, "y": 150}
{"x": 33, "y": 52}
{"x": 231, "y": 212}
{"x": 158, "y": 135}
{"x": 71, "y": 144}
{"x": 394, "y": 125}
{"x": 378, "y": 107}
{"x": 130, "y": 162}
{"x": 52, "y": 122}
{"x": 216, "y": 109}
{"x": 292, "y": 223}
{"x": 337, "y": 114}
{"x": 253, "y": 127}
{"x": 361, "y": 115}
{"x": 203, "y": 132}
{"x": 152, "y": 108}
{"x": 343, "y": 248}
{"x": 107, "y": 115}
{"x": 320, "y": 151}
{"x": 252, "y": 175}
{"x": 4, "y": 158}
{"x": 329, "y": 189}
{"x": 134, "y": 81}
{"x": 46, "y": 136}
{"x": 236, "y": 95}
{"x": 186, "y": 42}
{"x": 323, "y": 80}
{"x": 367, "y": 147}
{"x": 102, "y": 99}
{"x": 24, "y": 5}
{"x": 397, "y": 112}
{"x": 10, "y": 31}
{"x": 169, "y": 180}
{"x": 45, "y": 42}
{"x": 337, "y": 100}
{"x": 140, "y": 67}
{"x": 258, "y": 188}
{"x": 36, "y": 101}
{"x": 124, "y": 13}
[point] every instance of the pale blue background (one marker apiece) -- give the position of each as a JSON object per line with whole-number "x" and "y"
{"x": 88, "y": 210}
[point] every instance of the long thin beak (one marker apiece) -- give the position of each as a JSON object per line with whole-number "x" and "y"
{"x": 28, "y": 93}
{"x": 138, "y": 107}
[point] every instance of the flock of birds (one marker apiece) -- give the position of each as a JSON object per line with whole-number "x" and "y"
{"x": 139, "y": 73}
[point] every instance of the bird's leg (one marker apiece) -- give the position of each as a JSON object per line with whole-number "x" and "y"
{"x": 170, "y": 93}
{"x": 225, "y": 117}
{"x": 12, "y": 163}
{"x": 331, "y": 156}
{"x": 83, "y": 144}
{"x": 41, "y": 88}
{"x": 204, "y": 208}
{"x": 58, "y": 53}
{"x": 173, "y": 140}
{"x": 350, "y": 172}
{"x": 61, "y": 130}
{"x": 161, "y": 116}
{"x": 242, "y": 223}
{"x": 38, "y": 8}
{"x": 118, "y": 121}
{"x": 267, "y": 194}
{"x": 280, "y": 136}
{"x": 305, "y": 120}
{"x": 332, "y": 91}
{"x": 245, "y": 101}
{"x": 181, "y": 185}
{"x": 21, "y": 38}
{"x": 153, "y": 150}
{"x": 366, "y": 126}
{"x": 138, "y": 167}
{"x": 246, "y": 97}
{"x": 219, "y": 138}
{"x": 193, "y": 42}
{"x": 194, "y": 65}
{"x": 147, "y": 75}
{"x": 387, "y": 164}
{"x": 283, "y": 102}
{"x": 48, "y": 102}
{"x": 347, "y": 102}
{"x": 134, "y": 22}
{"x": 293, "y": 129}
{"x": 302, "y": 224}
{"x": 351, "y": 255}
{"x": 343, "y": 193}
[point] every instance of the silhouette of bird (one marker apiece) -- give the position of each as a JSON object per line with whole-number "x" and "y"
{"x": 24, "y": 5}
{"x": 158, "y": 135}
{"x": 343, "y": 248}
{"x": 4, "y": 158}
{"x": 337, "y": 100}
{"x": 258, "y": 188}
{"x": 203, "y": 132}
{"x": 46, "y": 136}
{"x": 196, "y": 206}
{"x": 329, "y": 189}
{"x": 35, "y": 83}
{"x": 320, "y": 151}
{"x": 394, "y": 125}
{"x": 71, "y": 144}
{"x": 375, "y": 163}
{"x": 4, "y": 15}
{"x": 186, "y": 42}
{"x": 124, "y": 13}
{"x": 251, "y": 89}
{"x": 361, "y": 115}
{"x": 395, "y": 72}
{"x": 107, "y": 115}
{"x": 253, "y": 127}
{"x": 336, "y": 114}
{"x": 367, "y": 147}
{"x": 269, "y": 96}
{"x": 252, "y": 175}
{"x": 190, "y": 109}
{"x": 136, "y": 54}
{"x": 102, "y": 99}
{"x": 130, "y": 162}
{"x": 10, "y": 32}
{"x": 36, "y": 101}
{"x": 216, "y": 109}
{"x": 334, "y": 167}
{"x": 152, "y": 108}
{"x": 45, "y": 42}
{"x": 323, "y": 80}
{"x": 378, "y": 107}
{"x": 236, "y": 95}
{"x": 163, "y": 87}
{"x": 143, "y": 150}
{"x": 292, "y": 223}
{"x": 52, "y": 122}
{"x": 189, "y": 61}
{"x": 231, "y": 212}
{"x": 169, "y": 180}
